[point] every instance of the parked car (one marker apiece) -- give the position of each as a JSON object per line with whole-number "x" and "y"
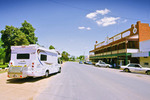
{"x": 133, "y": 67}
{"x": 94, "y": 63}
{"x": 80, "y": 62}
{"x": 85, "y": 62}
{"x": 102, "y": 64}
{"x": 90, "y": 63}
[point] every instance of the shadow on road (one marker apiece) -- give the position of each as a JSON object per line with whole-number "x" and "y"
{"x": 135, "y": 73}
{"x": 26, "y": 80}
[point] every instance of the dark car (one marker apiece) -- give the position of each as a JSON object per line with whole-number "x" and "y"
{"x": 84, "y": 62}
{"x": 90, "y": 63}
{"x": 80, "y": 62}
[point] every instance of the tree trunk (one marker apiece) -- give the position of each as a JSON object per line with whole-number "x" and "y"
{"x": 4, "y": 61}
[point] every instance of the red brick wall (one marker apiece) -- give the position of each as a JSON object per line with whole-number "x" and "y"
{"x": 144, "y": 31}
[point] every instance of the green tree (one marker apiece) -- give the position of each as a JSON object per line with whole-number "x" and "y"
{"x": 65, "y": 56}
{"x": 81, "y": 57}
{"x": 28, "y": 30}
{"x": 72, "y": 58}
{"x": 2, "y": 52}
{"x": 51, "y": 47}
{"x": 12, "y": 36}
{"x": 77, "y": 58}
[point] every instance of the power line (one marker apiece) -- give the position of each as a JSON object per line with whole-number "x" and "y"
{"x": 88, "y": 10}
{"x": 71, "y": 6}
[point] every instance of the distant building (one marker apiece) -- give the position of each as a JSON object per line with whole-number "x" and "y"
{"x": 86, "y": 58}
{"x": 129, "y": 46}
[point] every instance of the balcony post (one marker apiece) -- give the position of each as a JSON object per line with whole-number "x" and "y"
{"x": 126, "y": 45}
{"x": 126, "y": 59}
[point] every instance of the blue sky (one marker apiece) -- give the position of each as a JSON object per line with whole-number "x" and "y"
{"x": 74, "y": 25}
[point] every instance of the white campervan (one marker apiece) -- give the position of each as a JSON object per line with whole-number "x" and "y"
{"x": 32, "y": 61}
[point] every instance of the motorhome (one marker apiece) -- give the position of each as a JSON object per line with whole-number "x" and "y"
{"x": 32, "y": 61}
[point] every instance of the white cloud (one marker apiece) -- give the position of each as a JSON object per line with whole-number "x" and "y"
{"x": 103, "y": 12}
{"x": 81, "y": 28}
{"x": 106, "y": 21}
{"x": 93, "y": 15}
{"x": 84, "y": 28}
{"x": 88, "y": 28}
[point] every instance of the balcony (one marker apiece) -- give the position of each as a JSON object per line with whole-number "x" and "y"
{"x": 116, "y": 52}
{"x": 132, "y": 50}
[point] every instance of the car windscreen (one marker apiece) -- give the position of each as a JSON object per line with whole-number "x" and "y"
{"x": 23, "y": 56}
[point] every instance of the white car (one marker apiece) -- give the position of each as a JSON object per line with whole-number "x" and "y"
{"x": 102, "y": 64}
{"x": 135, "y": 68}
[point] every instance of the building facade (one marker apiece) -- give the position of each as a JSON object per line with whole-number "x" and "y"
{"x": 125, "y": 47}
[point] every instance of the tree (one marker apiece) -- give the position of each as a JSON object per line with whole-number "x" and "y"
{"x": 72, "y": 58}
{"x": 81, "y": 57}
{"x": 28, "y": 30}
{"x": 64, "y": 56}
{"x": 51, "y": 47}
{"x": 12, "y": 36}
{"x": 2, "y": 52}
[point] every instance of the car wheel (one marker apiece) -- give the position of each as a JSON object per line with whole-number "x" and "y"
{"x": 47, "y": 73}
{"x": 107, "y": 66}
{"x": 148, "y": 72}
{"x": 126, "y": 70}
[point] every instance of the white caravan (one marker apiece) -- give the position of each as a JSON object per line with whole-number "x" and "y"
{"x": 32, "y": 61}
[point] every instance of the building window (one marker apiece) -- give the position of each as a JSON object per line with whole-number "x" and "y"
{"x": 122, "y": 46}
{"x": 145, "y": 57}
{"x": 146, "y": 63}
{"x": 114, "y": 48}
{"x": 132, "y": 44}
{"x": 109, "y": 49}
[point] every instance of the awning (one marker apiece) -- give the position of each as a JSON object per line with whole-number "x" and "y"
{"x": 141, "y": 54}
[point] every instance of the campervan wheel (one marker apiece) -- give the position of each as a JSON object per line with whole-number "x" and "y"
{"x": 47, "y": 73}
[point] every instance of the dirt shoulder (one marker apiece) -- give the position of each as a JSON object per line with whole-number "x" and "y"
{"x": 21, "y": 89}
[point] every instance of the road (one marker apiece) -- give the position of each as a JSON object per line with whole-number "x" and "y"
{"x": 86, "y": 82}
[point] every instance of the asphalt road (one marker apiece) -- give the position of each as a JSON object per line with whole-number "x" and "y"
{"x": 86, "y": 82}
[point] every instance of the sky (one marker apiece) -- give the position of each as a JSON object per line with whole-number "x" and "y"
{"x": 74, "y": 25}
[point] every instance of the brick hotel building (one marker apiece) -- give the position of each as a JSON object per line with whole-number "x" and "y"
{"x": 129, "y": 46}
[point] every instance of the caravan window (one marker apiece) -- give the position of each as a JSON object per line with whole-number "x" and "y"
{"x": 43, "y": 57}
{"x": 23, "y": 56}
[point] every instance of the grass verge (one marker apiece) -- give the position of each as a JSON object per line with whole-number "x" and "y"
{"x": 3, "y": 71}
{"x": 2, "y": 68}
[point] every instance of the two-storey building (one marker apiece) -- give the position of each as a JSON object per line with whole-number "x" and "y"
{"x": 123, "y": 48}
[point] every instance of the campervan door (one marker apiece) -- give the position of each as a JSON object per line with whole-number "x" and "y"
{"x": 47, "y": 60}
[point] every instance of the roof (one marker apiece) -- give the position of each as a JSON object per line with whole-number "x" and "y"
{"x": 32, "y": 46}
